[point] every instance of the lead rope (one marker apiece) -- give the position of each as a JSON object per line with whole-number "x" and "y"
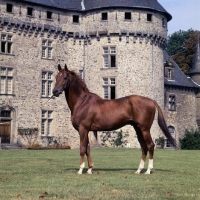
{"x": 47, "y": 100}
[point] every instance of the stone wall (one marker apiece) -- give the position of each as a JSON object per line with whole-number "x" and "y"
{"x": 184, "y": 117}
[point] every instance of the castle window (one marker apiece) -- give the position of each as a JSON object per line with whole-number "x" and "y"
{"x": 109, "y": 88}
{"x": 30, "y": 11}
{"x": 46, "y": 125}
{"x": 149, "y": 17}
{"x": 9, "y": 8}
{"x": 172, "y": 132}
{"x": 6, "y": 80}
{"x": 75, "y": 18}
{"x": 81, "y": 74}
{"x": 163, "y": 22}
{"x": 172, "y": 102}
{"x": 127, "y": 15}
{"x": 49, "y": 15}
{"x": 47, "y": 49}
{"x": 109, "y": 56}
{"x": 5, "y": 43}
{"x": 104, "y": 16}
{"x": 47, "y": 84}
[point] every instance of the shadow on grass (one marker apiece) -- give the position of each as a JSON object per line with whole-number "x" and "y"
{"x": 117, "y": 169}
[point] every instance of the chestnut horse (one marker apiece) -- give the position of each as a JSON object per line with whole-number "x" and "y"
{"x": 89, "y": 112}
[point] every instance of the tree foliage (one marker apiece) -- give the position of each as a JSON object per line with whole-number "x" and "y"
{"x": 191, "y": 140}
{"x": 182, "y": 46}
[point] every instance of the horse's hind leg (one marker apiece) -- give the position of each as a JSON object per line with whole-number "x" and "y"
{"x": 143, "y": 148}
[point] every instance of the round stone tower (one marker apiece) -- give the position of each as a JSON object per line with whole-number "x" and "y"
{"x": 195, "y": 75}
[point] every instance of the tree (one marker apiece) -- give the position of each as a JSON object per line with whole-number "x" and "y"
{"x": 182, "y": 46}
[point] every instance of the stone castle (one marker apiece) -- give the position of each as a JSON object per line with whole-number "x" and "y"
{"x": 117, "y": 47}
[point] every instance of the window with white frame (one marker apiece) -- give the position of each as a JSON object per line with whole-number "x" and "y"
{"x": 47, "y": 49}
{"x": 172, "y": 102}
{"x": 109, "y": 57}
{"x": 6, "y": 43}
{"x": 6, "y": 80}
{"x": 47, "y": 84}
{"x": 109, "y": 85}
{"x": 46, "y": 126}
{"x": 172, "y": 132}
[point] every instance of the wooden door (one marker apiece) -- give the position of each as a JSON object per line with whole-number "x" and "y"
{"x": 5, "y": 131}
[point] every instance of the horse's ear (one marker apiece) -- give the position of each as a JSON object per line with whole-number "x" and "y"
{"x": 59, "y": 67}
{"x": 66, "y": 68}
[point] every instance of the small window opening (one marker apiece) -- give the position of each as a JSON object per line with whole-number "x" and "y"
{"x": 149, "y": 17}
{"x": 112, "y": 92}
{"x": 76, "y": 18}
{"x": 49, "y": 15}
{"x": 104, "y": 16}
{"x": 30, "y": 11}
{"x": 3, "y": 47}
{"x": 113, "y": 61}
{"x": 127, "y": 15}
{"x": 9, "y": 8}
{"x": 163, "y": 22}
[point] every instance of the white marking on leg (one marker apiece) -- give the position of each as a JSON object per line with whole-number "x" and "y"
{"x": 141, "y": 166}
{"x": 150, "y": 166}
{"x": 81, "y": 168}
{"x": 89, "y": 171}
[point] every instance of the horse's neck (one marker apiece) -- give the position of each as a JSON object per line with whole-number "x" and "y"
{"x": 74, "y": 97}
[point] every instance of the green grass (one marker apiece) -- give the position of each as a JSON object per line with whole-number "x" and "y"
{"x": 52, "y": 174}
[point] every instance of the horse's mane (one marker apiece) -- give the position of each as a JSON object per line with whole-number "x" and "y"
{"x": 80, "y": 81}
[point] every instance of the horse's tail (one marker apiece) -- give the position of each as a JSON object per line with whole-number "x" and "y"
{"x": 162, "y": 124}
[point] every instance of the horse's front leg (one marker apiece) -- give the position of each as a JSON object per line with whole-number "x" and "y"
{"x": 84, "y": 149}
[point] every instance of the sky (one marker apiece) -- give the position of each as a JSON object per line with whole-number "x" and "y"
{"x": 185, "y": 14}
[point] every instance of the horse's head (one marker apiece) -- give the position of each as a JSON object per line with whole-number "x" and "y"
{"x": 62, "y": 81}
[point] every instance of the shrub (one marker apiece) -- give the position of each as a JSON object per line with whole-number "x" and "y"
{"x": 114, "y": 138}
{"x": 160, "y": 142}
{"x": 191, "y": 140}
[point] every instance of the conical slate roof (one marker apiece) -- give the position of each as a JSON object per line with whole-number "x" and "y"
{"x": 86, "y": 5}
{"x": 196, "y": 62}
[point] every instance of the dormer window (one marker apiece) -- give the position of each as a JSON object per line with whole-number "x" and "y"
{"x": 169, "y": 70}
{"x": 104, "y": 16}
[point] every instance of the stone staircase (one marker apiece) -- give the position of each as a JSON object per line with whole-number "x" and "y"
{"x": 5, "y": 146}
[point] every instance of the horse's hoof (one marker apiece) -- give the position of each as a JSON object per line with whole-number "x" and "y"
{"x": 138, "y": 172}
{"x": 148, "y": 172}
{"x": 89, "y": 171}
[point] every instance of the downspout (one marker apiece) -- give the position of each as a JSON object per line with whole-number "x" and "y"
{"x": 153, "y": 74}
{"x": 83, "y": 8}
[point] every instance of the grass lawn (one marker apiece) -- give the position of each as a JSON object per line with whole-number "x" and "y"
{"x": 52, "y": 174}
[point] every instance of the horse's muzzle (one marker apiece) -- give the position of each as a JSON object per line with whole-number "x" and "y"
{"x": 57, "y": 92}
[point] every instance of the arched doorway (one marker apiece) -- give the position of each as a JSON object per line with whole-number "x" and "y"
{"x": 5, "y": 126}
{"x": 172, "y": 132}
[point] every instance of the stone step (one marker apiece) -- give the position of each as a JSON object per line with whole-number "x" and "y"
{"x": 11, "y": 146}
{"x": 95, "y": 145}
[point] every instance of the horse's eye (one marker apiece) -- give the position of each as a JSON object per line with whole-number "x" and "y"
{"x": 65, "y": 78}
